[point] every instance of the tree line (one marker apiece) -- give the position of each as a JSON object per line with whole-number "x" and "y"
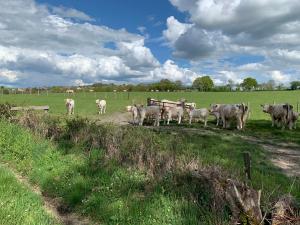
{"x": 204, "y": 83}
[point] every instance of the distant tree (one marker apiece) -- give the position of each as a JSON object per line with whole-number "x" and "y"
{"x": 204, "y": 83}
{"x": 230, "y": 84}
{"x": 295, "y": 85}
{"x": 249, "y": 83}
{"x": 280, "y": 86}
{"x": 270, "y": 85}
{"x": 178, "y": 85}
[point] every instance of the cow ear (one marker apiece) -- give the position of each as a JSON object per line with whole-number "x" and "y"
{"x": 291, "y": 107}
{"x": 261, "y": 105}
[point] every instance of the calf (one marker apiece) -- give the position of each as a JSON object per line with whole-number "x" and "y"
{"x": 101, "y": 106}
{"x": 198, "y": 113}
{"x": 70, "y": 104}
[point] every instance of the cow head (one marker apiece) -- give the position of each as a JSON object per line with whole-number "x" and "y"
{"x": 267, "y": 108}
{"x": 214, "y": 107}
{"x": 129, "y": 108}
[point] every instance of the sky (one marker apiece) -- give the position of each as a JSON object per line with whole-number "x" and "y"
{"x": 78, "y": 42}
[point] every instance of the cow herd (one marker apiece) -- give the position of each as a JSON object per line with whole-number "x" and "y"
{"x": 282, "y": 115}
{"x": 226, "y": 114}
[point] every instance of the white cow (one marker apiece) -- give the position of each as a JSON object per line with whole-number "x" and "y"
{"x": 173, "y": 113}
{"x": 202, "y": 114}
{"x": 70, "y": 104}
{"x": 152, "y": 111}
{"x": 237, "y": 112}
{"x": 101, "y": 105}
{"x": 133, "y": 110}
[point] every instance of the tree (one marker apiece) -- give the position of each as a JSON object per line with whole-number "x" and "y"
{"x": 295, "y": 85}
{"x": 230, "y": 84}
{"x": 204, "y": 83}
{"x": 270, "y": 85}
{"x": 249, "y": 83}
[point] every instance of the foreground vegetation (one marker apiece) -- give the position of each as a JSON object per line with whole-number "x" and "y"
{"x": 85, "y": 102}
{"x": 19, "y": 206}
{"x": 133, "y": 175}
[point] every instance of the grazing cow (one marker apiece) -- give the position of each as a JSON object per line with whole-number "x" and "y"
{"x": 237, "y": 112}
{"x": 281, "y": 114}
{"x": 173, "y": 113}
{"x": 134, "y": 112}
{"x": 101, "y": 106}
{"x": 153, "y": 111}
{"x": 70, "y": 104}
{"x": 198, "y": 113}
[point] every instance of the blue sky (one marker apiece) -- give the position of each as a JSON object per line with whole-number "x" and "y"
{"x": 129, "y": 14}
{"x": 76, "y": 42}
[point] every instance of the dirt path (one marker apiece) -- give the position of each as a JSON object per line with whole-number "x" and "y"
{"x": 119, "y": 118}
{"x": 285, "y": 156}
{"x": 51, "y": 205}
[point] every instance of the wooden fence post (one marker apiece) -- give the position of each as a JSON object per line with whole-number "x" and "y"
{"x": 297, "y": 106}
{"x": 247, "y": 164}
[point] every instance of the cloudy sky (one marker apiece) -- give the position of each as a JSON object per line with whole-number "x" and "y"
{"x": 75, "y": 42}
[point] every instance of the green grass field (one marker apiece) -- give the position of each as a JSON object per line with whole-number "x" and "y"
{"x": 110, "y": 192}
{"x": 79, "y": 172}
{"x": 85, "y": 102}
{"x": 18, "y": 204}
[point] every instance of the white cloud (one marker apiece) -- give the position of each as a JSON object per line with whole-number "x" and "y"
{"x": 47, "y": 45}
{"x": 265, "y": 31}
{"x": 171, "y": 71}
{"x": 8, "y": 76}
{"x": 279, "y": 77}
{"x": 175, "y": 29}
{"x": 70, "y": 13}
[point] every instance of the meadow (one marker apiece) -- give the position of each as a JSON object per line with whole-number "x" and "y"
{"x": 85, "y": 102}
{"x": 115, "y": 174}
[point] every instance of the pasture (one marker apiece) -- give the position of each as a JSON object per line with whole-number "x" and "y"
{"x": 135, "y": 175}
{"x": 85, "y": 102}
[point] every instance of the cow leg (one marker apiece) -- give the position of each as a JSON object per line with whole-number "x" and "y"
{"x": 190, "y": 122}
{"x": 224, "y": 121}
{"x": 273, "y": 121}
{"x": 205, "y": 122}
{"x": 179, "y": 119}
{"x": 239, "y": 124}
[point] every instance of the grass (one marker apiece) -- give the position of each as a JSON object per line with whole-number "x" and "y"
{"x": 18, "y": 204}
{"x": 117, "y": 191}
{"x": 85, "y": 102}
